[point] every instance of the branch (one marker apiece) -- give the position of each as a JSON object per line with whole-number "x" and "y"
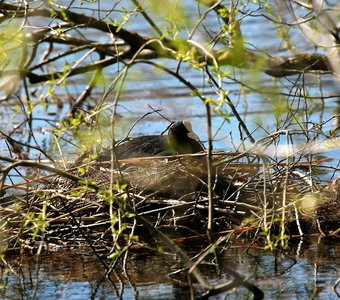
{"x": 274, "y": 66}
{"x": 13, "y": 11}
{"x": 228, "y": 17}
{"x": 280, "y": 66}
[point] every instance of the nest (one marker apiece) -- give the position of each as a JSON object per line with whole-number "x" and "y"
{"x": 172, "y": 193}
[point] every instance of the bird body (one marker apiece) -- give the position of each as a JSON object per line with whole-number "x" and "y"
{"x": 172, "y": 178}
{"x": 147, "y": 145}
{"x": 180, "y": 140}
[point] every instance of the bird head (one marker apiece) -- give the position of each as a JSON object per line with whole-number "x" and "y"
{"x": 182, "y": 139}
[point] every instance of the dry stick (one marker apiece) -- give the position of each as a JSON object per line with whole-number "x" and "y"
{"x": 173, "y": 247}
{"x": 29, "y": 117}
{"x": 335, "y": 287}
{"x": 11, "y": 140}
{"x": 284, "y": 198}
{"x": 132, "y": 286}
{"x": 126, "y": 136}
{"x": 34, "y": 78}
{"x": 210, "y": 176}
{"x": 103, "y": 48}
{"x": 213, "y": 6}
{"x": 88, "y": 240}
{"x": 238, "y": 279}
{"x": 200, "y": 21}
{"x": 86, "y": 92}
{"x": 134, "y": 40}
{"x": 233, "y": 109}
{"x": 257, "y": 148}
{"x": 62, "y": 54}
{"x": 29, "y": 163}
{"x": 114, "y": 159}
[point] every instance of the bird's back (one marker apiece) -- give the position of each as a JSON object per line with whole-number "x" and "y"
{"x": 143, "y": 146}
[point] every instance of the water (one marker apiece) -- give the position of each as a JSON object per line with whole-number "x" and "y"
{"x": 310, "y": 268}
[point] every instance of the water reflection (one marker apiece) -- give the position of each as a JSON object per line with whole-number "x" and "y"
{"x": 309, "y": 270}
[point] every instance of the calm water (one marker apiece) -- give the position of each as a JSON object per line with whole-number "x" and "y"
{"x": 311, "y": 267}
{"x": 308, "y": 271}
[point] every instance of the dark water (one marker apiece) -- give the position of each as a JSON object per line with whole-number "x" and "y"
{"x": 308, "y": 271}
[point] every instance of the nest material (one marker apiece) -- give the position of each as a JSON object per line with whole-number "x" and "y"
{"x": 239, "y": 187}
{"x": 171, "y": 193}
{"x": 172, "y": 178}
{"x": 328, "y": 208}
{"x": 160, "y": 175}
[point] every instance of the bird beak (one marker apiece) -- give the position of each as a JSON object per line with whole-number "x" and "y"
{"x": 190, "y": 134}
{"x": 193, "y": 136}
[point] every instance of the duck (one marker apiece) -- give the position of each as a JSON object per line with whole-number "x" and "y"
{"x": 180, "y": 140}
